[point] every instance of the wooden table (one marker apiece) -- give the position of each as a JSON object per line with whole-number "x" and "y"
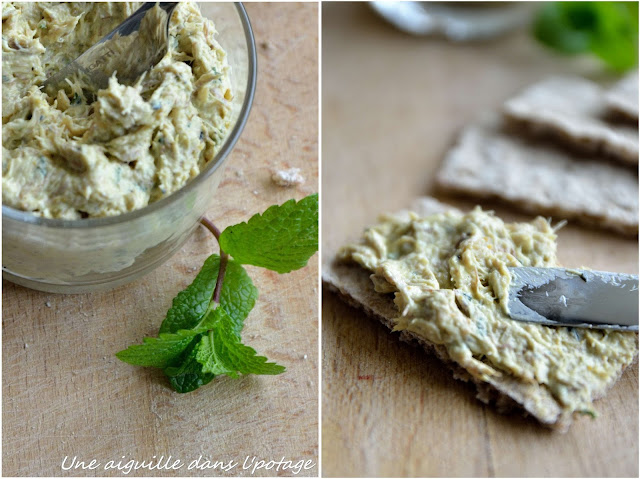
{"x": 64, "y": 392}
{"x": 392, "y": 105}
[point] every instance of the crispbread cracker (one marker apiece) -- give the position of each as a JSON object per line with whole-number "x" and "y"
{"x": 573, "y": 110}
{"x": 538, "y": 178}
{"x": 622, "y": 98}
{"x": 506, "y": 392}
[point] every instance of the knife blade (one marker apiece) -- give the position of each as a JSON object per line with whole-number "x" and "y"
{"x": 576, "y": 298}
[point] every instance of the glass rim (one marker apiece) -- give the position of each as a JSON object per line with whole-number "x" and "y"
{"x": 230, "y": 142}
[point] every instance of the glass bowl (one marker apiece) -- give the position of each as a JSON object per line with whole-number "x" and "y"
{"x": 74, "y": 256}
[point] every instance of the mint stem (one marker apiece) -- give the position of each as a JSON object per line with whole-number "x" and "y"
{"x": 224, "y": 257}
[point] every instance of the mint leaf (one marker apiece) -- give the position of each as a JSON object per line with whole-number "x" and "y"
{"x": 238, "y": 294}
{"x": 221, "y": 351}
{"x": 158, "y": 352}
{"x": 282, "y": 239}
{"x": 188, "y": 376}
{"x": 608, "y": 30}
{"x": 616, "y": 41}
{"x": 189, "y": 305}
{"x": 237, "y": 297}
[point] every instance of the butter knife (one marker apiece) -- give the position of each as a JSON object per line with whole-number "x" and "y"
{"x": 576, "y": 298}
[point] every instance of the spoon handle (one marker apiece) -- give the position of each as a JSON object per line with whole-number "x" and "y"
{"x": 129, "y": 50}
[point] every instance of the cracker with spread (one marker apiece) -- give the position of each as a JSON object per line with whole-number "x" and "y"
{"x": 439, "y": 277}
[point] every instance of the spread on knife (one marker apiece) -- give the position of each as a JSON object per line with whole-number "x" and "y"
{"x": 66, "y": 157}
{"x": 449, "y": 275}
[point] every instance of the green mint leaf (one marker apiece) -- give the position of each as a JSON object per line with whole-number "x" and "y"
{"x": 608, "y": 30}
{"x": 237, "y": 297}
{"x": 158, "y": 352}
{"x": 553, "y": 27}
{"x": 188, "y": 376}
{"x": 282, "y": 239}
{"x": 221, "y": 351}
{"x": 189, "y": 305}
{"x": 616, "y": 41}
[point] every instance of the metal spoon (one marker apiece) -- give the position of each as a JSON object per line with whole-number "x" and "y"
{"x": 130, "y": 49}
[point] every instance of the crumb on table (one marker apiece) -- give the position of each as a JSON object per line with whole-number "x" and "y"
{"x": 290, "y": 177}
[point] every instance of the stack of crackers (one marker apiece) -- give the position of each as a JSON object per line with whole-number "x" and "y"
{"x": 564, "y": 147}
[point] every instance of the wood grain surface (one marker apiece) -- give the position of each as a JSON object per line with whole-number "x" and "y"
{"x": 391, "y": 107}
{"x": 64, "y": 392}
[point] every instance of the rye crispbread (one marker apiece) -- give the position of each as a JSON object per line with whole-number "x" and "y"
{"x": 489, "y": 162}
{"x": 622, "y": 98}
{"x": 573, "y": 111}
{"x": 508, "y": 393}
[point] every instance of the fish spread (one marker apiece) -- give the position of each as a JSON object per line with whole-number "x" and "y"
{"x": 68, "y": 155}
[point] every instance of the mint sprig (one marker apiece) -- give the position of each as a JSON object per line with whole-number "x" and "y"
{"x": 200, "y": 337}
{"x": 608, "y": 30}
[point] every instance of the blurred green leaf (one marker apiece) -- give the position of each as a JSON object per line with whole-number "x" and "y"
{"x": 608, "y": 30}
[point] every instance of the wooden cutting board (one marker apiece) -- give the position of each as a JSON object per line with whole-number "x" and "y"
{"x": 64, "y": 392}
{"x": 392, "y": 105}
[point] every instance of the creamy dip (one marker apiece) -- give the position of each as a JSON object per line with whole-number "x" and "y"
{"x": 449, "y": 275}
{"x": 67, "y": 157}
